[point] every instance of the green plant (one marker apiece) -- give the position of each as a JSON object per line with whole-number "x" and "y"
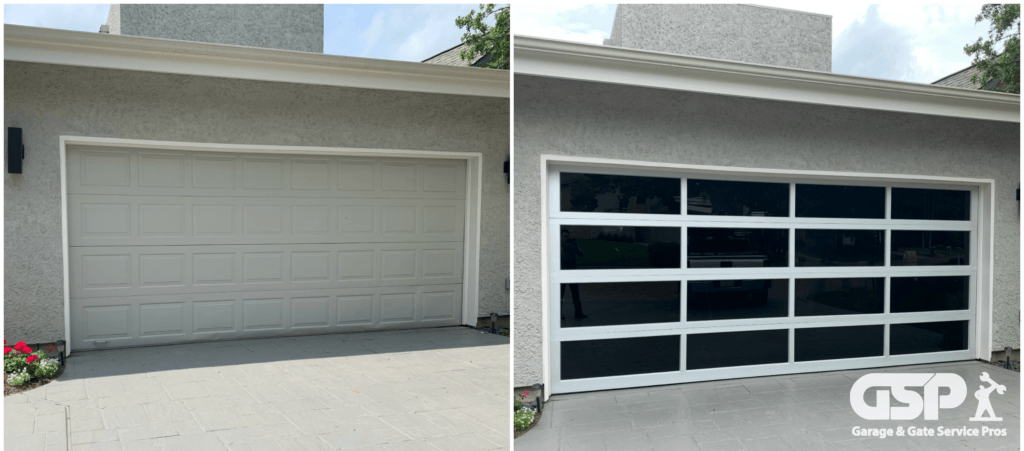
{"x": 482, "y": 39}
{"x": 19, "y": 377}
{"x": 47, "y": 368}
{"x": 1001, "y": 66}
{"x": 522, "y": 419}
{"x": 516, "y": 405}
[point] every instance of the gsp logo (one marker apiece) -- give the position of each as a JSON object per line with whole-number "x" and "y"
{"x": 896, "y": 383}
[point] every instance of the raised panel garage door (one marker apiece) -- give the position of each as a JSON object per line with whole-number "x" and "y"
{"x": 177, "y": 246}
{"x": 662, "y": 277}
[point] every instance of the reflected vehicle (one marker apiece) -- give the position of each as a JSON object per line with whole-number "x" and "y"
{"x": 726, "y": 251}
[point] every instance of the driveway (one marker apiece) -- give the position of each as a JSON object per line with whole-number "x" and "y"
{"x": 796, "y": 412}
{"x": 428, "y": 389}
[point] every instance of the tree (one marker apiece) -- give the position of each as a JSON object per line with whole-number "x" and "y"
{"x": 1001, "y": 67}
{"x": 482, "y": 39}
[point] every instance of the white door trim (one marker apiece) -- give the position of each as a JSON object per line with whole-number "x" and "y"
{"x": 474, "y": 194}
{"x": 983, "y": 290}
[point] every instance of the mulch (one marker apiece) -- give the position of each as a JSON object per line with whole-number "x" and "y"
{"x": 536, "y": 418}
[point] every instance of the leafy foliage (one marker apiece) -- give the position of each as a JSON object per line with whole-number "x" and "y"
{"x": 1003, "y": 68}
{"x": 522, "y": 419}
{"x": 483, "y": 39}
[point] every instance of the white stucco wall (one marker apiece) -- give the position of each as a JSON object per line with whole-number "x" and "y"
{"x": 562, "y": 117}
{"x": 47, "y": 101}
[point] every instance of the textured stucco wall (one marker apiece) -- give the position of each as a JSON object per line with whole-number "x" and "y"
{"x": 560, "y": 117}
{"x": 47, "y": 101}
{"x": 114, "y": 19}
{"x": 288, "y": 27}
{"x": 746, "y": 33}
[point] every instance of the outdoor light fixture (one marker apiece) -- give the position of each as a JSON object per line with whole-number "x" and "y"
{"x": 536, "y": 390}
{"x": 508, "y": 172}
{"x": 1009, "y": 354}
{"x": 494, "y": 323}
{"x": 60, "y": 348}
{"x": 15, "y": 150}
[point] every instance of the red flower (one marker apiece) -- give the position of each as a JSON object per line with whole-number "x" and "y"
{"x": 7, "y": 349}
{"x": 19, "y": 344}
{"x": 31, "y": 358}
{"x": 526, "y": 393}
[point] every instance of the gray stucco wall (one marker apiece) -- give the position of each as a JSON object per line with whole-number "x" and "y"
{"x": 747, "y": 33}
{"x": 561, "y": 117}
{"x": 288, "y": 27}
{"x": 47, "y": 101}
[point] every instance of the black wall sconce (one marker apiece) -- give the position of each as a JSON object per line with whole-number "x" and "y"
{"x": 508, "y": 171}
{"x": 15, "y": 150}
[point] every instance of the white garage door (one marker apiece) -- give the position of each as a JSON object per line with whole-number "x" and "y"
{"x": 176, "y": 246}
{"x": 668, "y": 277}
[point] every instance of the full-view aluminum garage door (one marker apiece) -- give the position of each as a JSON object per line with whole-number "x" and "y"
{"x": 175, "y": 246}
{"x": 660, "y": 277}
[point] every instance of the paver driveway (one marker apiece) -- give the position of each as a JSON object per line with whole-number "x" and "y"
{"x": 796, "y": 412}
{"x": 430, "y": 389}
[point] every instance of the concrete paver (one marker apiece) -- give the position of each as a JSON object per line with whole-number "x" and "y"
{"x": 429, "y": 389}
{"x": 789, "y": 412}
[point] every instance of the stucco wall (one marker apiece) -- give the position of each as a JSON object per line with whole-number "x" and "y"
{"x": 288, "y": 27}
{"x": 47, "y": 101}
{"x": 746, "y": 33}
{"x": 562, "y": 117}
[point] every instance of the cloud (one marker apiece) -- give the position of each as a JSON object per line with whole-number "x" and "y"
{"x": 871, "y": 47}
{"x": 65, "y": 17}
{"x": 372, "y": 34}
{"x": 564, "y": 21}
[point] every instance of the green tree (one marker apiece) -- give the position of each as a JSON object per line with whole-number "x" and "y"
{"x": 1001, "y": 67}
{"x": 483, "y": 39}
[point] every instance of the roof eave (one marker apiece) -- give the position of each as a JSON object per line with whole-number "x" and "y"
{"x": 586, "y": 62}
{"x": 74, "y": 48}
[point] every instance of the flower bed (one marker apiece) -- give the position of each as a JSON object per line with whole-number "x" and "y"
{"x": 25, "y": 369}
{"x": 524, "y": 416}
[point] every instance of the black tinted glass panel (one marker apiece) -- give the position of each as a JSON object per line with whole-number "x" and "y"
{"x": 725, "y": 349}
{"x": 840, "y": 248}
{"x": 619, "y": 194}
{"x": 619, "y": 357}
{"x": 716, "y": 197}
{"x": 928, "y": 294}
{"x": 919, "y": 338}
{"x": 826, "y": 297}
{"x": 709, "y": 300}
{"x": 828, "y": 343}
{"x": 928, "y": 248}
{"x": 938, "y": 204}
{"x": 613, "y": 247}
{"x": 832, "y": 201}
{"x": 610, "y": 304}
{"x": 737, "y": 248}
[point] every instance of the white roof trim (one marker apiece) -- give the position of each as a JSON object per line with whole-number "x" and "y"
{"x": 575, "y": 61}
{"x": 75, "y": 48}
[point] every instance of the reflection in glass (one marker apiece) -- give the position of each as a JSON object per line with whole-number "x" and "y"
{"x": 725, "y": 349}
{"x": 717, "y": 197}
{"x": 929, "y": 248}
{"x": 834, "y": 201}
{"x": 917, "y": 338}
{"x": 828, "y": 343}
{"x": 614, "y": 247}
{"x": 737, "y": 248}
{"x": 839, "y": 247}
{"x": 600, "y": 193}
{"x": 845, "y": 296}
{"x": 619, "y": 356}
{"x": 709, "y": 300}
{"x": 617, "y": 303}
{"x": 928, "y": 294}
{"x": 936, "y": 204}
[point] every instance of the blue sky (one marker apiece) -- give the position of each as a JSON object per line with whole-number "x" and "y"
{"x": 895, "y": 41}
{"x": 395, "y": 32}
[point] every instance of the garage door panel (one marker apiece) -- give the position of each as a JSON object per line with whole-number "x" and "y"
{"x": 96, "y": 170}
{"x": 145, "y": 320}
{"x": 102, "y": 220}
{"x": 150, "y": 270}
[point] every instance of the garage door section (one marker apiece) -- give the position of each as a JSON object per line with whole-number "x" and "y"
{"x": 177, "y": 246}
{"x": 666, "y": 277}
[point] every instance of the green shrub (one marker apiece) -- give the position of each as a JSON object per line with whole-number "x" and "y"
{"x": 522, "y": 419}
{"x": 46, "y": 368}
{"x": 516, "y": 405}
{"x": 19, "y": 378}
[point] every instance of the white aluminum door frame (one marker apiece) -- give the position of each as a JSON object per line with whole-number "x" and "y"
{"x": 980, "y": 268}
{"x": 474, "y": 194}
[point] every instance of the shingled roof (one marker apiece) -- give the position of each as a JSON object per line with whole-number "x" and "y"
{"x": 451, "y": 57}
{"x": 960, "y": 79}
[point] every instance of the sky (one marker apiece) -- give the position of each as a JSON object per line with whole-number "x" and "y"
{"x": 394, "y": 32}
{"x": 894, "y": 41}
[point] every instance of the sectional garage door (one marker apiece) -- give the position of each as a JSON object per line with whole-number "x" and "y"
{"x": 661, "y": 277}
{"x": 176, "y": 246}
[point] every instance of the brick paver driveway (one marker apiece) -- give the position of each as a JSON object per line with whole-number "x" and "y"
{"x": 445, "y": 388}
{"x": 796, "y": 412}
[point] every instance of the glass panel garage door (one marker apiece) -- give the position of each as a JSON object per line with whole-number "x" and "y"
{"x": 662, "y": 277}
